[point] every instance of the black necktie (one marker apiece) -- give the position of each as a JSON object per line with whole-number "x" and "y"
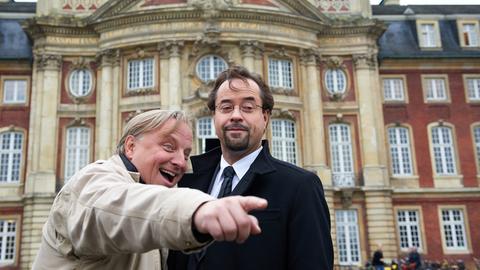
{"x": 226, "y": 188}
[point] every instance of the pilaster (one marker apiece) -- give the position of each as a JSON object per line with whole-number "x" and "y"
{"x": 371, "y": 122}
{"x": 174, "y": 49}
{"x": 249, "y": 49}
{"x": 314, "y": 131}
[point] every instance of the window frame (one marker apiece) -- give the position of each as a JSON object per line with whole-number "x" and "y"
{"x": 284, "y": 140}
{"x": 201, "y": 139}
{"x": 155, "y": 74}
{"x": 426, "y": 78}
{"x": 22, "y": 157}
{"x": 476, "y": 146}
{"x": 4, "y": 78}
{"x": 436, "y": 32}
{"x": 344, "y": 72}
{"x": 66, "y": 147}
{"x": 359, "y": 237}
{"x": 466, "y": 231}
{"x": 410, "y": 149}
{"x": 404, "y": 89}
{"x": 18, "y": 229}
{"x": 352, "y": 154}
{"x": 280, "y": 74}
{"x": 68, "y": 83}
{"x": 467, "y": 77}
{"x": 421, "y": 229}
{"x": 461, "y": 33}
{"x": 212, "y": 74}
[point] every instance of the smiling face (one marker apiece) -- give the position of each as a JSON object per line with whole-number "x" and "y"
{"x": 240, "y": 133}
{"x": 161, "y": 155}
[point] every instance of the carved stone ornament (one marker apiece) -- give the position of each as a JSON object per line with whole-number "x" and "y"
{"x": 280, "y": 53}
{"x": 284, "y": 114}
{"x": 48, "y": 61}
{"x": 204, "y": 89}
{"x": 81, "y": 62}
{"x": 209, "y": 39}
{"x": 77, "y": 121}
{"x": 130, "y": 115}
{"x": 211, "y": 4}
{"x": 251, "y": 48}
{"x": 346, "y": 196}
{"x": 309, "y": 56}
{"x": 367, "y": 60}
{"x": 334, "y": 62}
{"x": 108, "y": 57}
{"x": 170, "y": 48}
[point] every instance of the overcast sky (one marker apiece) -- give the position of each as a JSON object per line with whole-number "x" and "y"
{"x": 402, "y": 2}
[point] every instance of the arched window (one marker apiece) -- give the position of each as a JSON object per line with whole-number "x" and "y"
{"x": 443, "y": 151}
{"x": 400, "y": 151}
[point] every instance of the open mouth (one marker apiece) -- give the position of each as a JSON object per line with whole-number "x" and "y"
{"x": 170, "y": 176}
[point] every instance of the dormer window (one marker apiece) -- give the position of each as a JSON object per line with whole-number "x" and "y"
{"x": 428, "y": 34}
{"x": 469, "y": 34}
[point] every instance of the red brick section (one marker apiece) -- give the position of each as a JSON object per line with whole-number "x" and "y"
{"x": 162, "y": 2}
{"x": 259, "y": 2}
{"x": 431, "y": 222}
{"x": 418, "y": 115}
{"x": 65, "y": 97}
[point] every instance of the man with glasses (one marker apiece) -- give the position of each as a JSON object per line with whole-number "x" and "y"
{"x": 296, "y": 224}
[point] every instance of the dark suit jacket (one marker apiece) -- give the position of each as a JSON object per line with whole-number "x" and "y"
{"x": 295, "y": 226}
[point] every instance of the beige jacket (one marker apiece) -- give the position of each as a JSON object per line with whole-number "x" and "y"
{"x": 103, "y": 219}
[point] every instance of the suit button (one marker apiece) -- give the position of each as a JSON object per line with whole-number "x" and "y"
{"x": 188, "y": 243}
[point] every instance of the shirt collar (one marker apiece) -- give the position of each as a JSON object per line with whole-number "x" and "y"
{"x": 129, "y": 166}
{"x": 241, "y": 166}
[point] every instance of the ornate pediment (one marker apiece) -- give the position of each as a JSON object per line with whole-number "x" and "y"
{"x": 210, "y": 8}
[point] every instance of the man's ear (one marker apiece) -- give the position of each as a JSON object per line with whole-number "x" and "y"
{"x": 129, "y": 146}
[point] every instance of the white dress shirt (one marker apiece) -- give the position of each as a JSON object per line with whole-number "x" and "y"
{"x": 240, "y": 167}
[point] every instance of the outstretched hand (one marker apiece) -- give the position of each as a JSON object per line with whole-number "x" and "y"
{"x": 227, "y": 219}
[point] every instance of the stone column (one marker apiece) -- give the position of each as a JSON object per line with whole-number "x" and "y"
{"x": 174, "y": 79}
{"x": 104, "y": 107}
{"x": 259, "y": 59}
{"x": 164, "y": 74}
{"x": 40, "y": 186}
{"x": 116, "y": 94}
{"x": 314, "y": 126}
{"x": 248, "y": 54}
{"x": 371, "y": 121}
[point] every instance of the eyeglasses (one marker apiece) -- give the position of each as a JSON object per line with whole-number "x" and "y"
{"x": 246, "y": 107}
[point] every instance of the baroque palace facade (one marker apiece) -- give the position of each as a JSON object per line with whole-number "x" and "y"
{"x": 382, "y": 102}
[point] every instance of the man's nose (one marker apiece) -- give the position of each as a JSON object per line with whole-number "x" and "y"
{"x": 236, "y": 113}
{"x": 180, "y": 160}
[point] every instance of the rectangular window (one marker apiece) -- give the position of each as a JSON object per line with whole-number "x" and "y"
{"x": 77, "y": 150}
{"x": 476, "y": 136}
{"x": 140, "y": 74}
{"x": 280, "y": 73}
{"x": 409, "y": 229}
{"x": 8, "y": 233}
{"x": 454, "y": 229}
{"x": 341, "y": 155}
{"x": 205, "y": 130}
{"x": 11, "y": 147}
{"x": 428, "y": 35}
{"x": 284, "y": 146}
{"x": 348, "y": 242}
{"x": 443, "y": 151}
{"x": 400, "y": 153}
{"x": 393, "y": 89}
{"x": 473, "y": 89}
{"x": 436, "y": 89}
{"x": 470, "y": 34}
{"x": 14, "y": 91}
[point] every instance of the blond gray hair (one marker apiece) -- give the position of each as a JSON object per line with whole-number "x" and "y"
{"x": 149, "y": 121}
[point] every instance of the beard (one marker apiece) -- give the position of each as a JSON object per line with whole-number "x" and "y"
{"x": 236, "y": 144}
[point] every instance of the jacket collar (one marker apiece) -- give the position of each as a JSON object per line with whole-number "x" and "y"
{"x": 118, "y": 161}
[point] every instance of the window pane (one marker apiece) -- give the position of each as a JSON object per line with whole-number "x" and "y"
{"x": 80, "y": 82}
{"x": 341, "y": 155}
{"x": 14, "y": 91}
{"x": 428, "y": 35}
{"x": 436, "y": 89}
{"x": 77, "y": 150}
{"x": 280, "y": 73}
{"x": 140, "y": 74}
{"x": 284, "y": 140}
{"x": 205, "y": 130}
{"x": 470, "y": 35}
{"x": 11, "y": 145}
{"x": 208, "y": 67}
{"x": 400, "y": 152}
{"x": 408, "y": 228}
{"x": 393, "y": 89}
{"x": 476, "y": 135}
{"x": 454, "y": 229}
{"x": 443, "y": 151}
{"x": 348, "y": 243}
{"x": 336, "y": 81}
{"x": 473, "y": 89}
